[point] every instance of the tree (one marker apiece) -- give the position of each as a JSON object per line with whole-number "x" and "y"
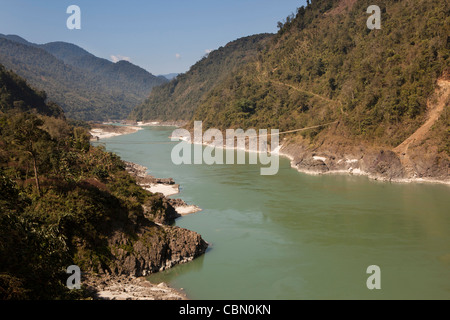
{"x": 280, "y": 25}
{"x": 81, "y": 139}
{"x": 25, "y": 135}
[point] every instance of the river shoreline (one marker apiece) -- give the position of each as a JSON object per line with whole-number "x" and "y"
{"x": 166, "y": 187}
{"x": 127, "y": 287}
{"x": 315, "y": 164}
{"x": 354, "y": 166}
{"x": 178, "y": 124}
{"x": 317, "y": 157}
{"x": 105, "y": 131}
{"x": 304, "y": 162}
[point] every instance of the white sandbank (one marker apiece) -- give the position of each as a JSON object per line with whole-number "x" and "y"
{"x": 99, "y": 133}
{"x": 187, "y": 210}
{"x": 170, "y": 190}
{"x": 165, "y": 189}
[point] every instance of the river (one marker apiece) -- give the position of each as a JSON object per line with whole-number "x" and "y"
{"x": 293, "y": 236}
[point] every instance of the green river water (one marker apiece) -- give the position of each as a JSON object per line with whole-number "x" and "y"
{"x": 293, "y": 236}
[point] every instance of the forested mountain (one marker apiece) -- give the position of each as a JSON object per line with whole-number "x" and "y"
{"x": 178, "y": 99}
{"x": 122, "y": 74}
{"x": 17, "y": 96}
{"x": 326, "y": 65}
{"x": 87, "y": 87}
{"x": 64, "y": 202}
{"x": 18, "y": 39}
{"x": 384, "y": 93}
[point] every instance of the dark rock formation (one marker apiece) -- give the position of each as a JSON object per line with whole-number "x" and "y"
{"x": 312, "y": 165}
{"x": 155, "y": 249}
{"x": 385, "y": 165}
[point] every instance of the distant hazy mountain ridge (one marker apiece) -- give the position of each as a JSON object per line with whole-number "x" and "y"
{"x": 170, "y": 76}
{"x": 87, "y": 87}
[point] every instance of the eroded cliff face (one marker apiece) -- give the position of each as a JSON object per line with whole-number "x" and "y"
{"x": 153, "y": 245}
{"x": 119, "y": 251}
{"x": 421, "y": 157}
{"x": 156, "y": 248}
{"x": 139, "y": 248}
{"x": 377, "y": 163}
{"x": 425, "y": 163}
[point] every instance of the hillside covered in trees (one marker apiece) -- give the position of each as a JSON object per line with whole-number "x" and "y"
{"x": 325, "y": 65}
{"x": 178, "y": 99}
{"x": 377, "y": 87}
{"x": 85, "y": 86}
{"x": 64, "y": 202}
{"x": 17, "y": 96}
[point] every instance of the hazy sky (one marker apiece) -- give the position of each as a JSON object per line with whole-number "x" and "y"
{"x": 161, "y": 36}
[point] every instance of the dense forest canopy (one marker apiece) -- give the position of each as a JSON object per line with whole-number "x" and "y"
{"x": 325, "y": 64}
{"x": 178, "y": 99}
{"x": 15, "y": 94}
{"x": 60, "y": 198}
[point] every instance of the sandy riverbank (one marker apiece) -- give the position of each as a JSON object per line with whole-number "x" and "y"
{"x": 177, "y": 124}
{"x": 99, "y": 132}
{"x": 167, "y": 187}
